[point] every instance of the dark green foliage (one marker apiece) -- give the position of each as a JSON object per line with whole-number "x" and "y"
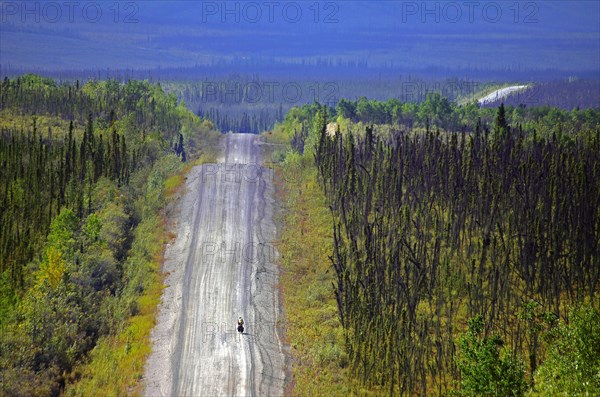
{"x": 501, "y": 129}
{"x": 39, "y": 176}
{"x": 71, "y": 202}
{"x": 484, "y": 370}
{"x": 180, "y": 149}
{"x": 42, "y": 173}
{"x": 436, "y": 111}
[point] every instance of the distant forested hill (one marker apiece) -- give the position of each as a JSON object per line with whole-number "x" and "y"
{"x": 564, "y": 94}
{"x": 399, "y": 35}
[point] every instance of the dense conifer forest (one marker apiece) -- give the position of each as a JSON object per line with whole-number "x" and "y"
{"x": 465, "y": 243}
{"x": 82, "y": 167}
{"x": 254, "y": 102}
{"x": 464, "y": 239}
{"x": 422, "y": 219}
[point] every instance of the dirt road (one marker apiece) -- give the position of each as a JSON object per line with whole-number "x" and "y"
{"x": 222, "y": 265}
{"x": 501, "y": 94}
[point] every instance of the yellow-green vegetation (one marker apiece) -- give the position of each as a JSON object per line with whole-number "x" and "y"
{"x": 206, "y": 158}
{"x": 173, "y": 183}
{"x": 315, "y": 334}
{"x": 320, "y": 364}
{"x": 572, "y": 366}
{"x": 116, "y": 364}
{"x": 10, "y": 119}
{"x": 408, "y": 215}
{"x": 87, "y": 171}
{"x": 436, "y": 294}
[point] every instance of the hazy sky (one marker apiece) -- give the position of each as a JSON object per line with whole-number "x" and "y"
{"x": 562, "y": 35}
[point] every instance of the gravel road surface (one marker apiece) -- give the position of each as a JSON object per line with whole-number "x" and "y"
{"x": 501, "y": 94}
{"x": 221, "y": 265}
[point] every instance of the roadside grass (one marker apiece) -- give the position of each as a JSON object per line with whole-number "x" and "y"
{"x": 115, "y": 366}
{"x": 320, "y": 363}
{"x": 206, "y": 158}
{"x": 277, "y": 136}
{"x": 173, "y": 183}
{"x": 315, "y": 333}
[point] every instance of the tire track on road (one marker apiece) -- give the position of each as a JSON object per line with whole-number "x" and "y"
{"x": 214, "y": 278}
